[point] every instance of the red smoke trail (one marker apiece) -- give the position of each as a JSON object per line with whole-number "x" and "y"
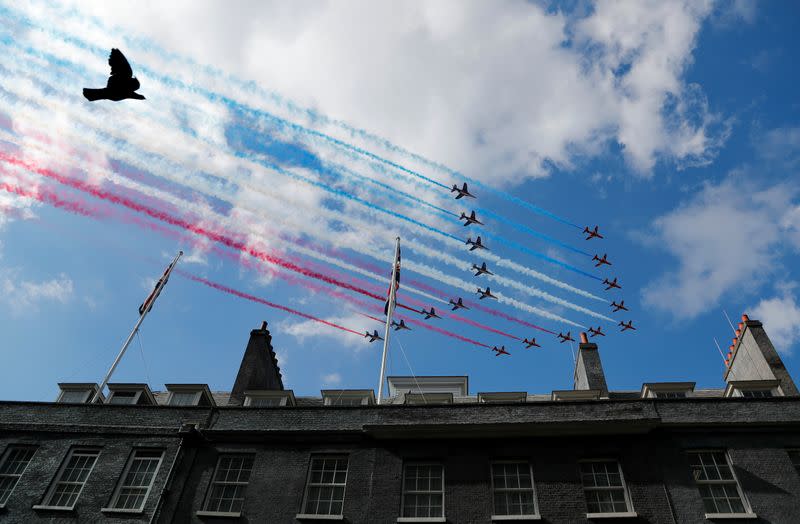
{"x": 47, "y": 197}
{"x": 253, "y": 298}
{"x": 178, "y": 222}
{"x": 482, "y": 326}
{"x": 433, "y": 328}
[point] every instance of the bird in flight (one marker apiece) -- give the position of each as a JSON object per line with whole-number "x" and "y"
{"x": 121, "y": 84}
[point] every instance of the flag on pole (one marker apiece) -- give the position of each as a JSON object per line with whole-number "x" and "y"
{"x": 396, "y": 283}
{"x": 147, "y": 305}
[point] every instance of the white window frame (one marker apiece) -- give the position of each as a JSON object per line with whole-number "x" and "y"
{"x": 57, "y": 480}
{"x": 443, "y": 518}
{"x": 748, "y": 510}
{"x": 121, "y": 483}
{"x": 331, "y": 396}
{"x": 653, "y": 389}
{"x": 205, "y": 512}
{"x": 735, "y": 388}
{"x": 323, "y": 516}
{"x": 628, "y": 502}
{"x": 526, "y": 516}
{"x": 4, "y": 459}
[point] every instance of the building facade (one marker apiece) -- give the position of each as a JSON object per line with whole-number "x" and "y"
{"x": 432, "y": 452}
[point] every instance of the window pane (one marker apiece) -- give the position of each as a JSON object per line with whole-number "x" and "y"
{"x": 123, "y": 397}
{"x": 74, "y": 396}
{"x": 183, "y": 398}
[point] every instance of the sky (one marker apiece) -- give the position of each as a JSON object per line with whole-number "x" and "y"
{"x": 284, "y": 146}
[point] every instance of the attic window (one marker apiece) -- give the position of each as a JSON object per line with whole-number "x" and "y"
{"x": 77, "y": 393}
{"x": 184, "y": 398}
{"x": 502, "y": 396}
{"x": 429, "y": 398}
{"x": 265, "y": 399}
{"x": 348, "y": 397}
{"x": 189, "y": 395}
{"x": 124, "y": 397}
{"x": 753, "y": 388}
{"x": 667, "y": 390}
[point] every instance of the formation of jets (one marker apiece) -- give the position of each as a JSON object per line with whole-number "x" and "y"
{"x": 591, "y": 233}
{"x": 457, "y": 304}
{"x": 373, "y": 336}
{"x": 500, "y": 351}
{"x": 531, "y": 343}
{"x": 470, "y": 219}
{"x": 430, "y": 314}
{"x": 463, "y": 192}
{"x": 481, "y": 270}
{"x": 485, "y": 293}
{"x": 477, "y": 244}
{"x": 601, "y": 260}
{"x": 596, "y": 332}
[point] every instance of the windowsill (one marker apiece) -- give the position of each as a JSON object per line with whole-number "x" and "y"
{"x": 615, "y": 515}
{"x": 311, "y": 516}
{"x": 516, "y": 517}
{"x": 52, "y": 508}
{"x": 121, "y": 510}
{"x": 219, "y": 514}
{"x": 421, "y": 519}
{"x": 712, "y": 516}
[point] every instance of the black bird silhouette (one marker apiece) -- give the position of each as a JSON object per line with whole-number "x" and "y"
{"x": 121, "y": 84}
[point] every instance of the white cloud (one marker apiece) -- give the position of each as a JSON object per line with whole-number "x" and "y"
{"x": 22, "y": 295}
{"x": 499, "y": 90}
{"x": 727, "y": 236}
{"x": 312, "y": 329}
{"x": 781, "y": 318}
{"x": 781, "y": 145}
{"x": 331, "y": 379}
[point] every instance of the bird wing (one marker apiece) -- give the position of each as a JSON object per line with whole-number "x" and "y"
{"x": 120, "y": 68}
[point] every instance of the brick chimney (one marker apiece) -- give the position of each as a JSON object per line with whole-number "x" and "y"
{"x": 259, "y": 369}
{"x": 753, "y": 357}
{"x": 588, "y": 368}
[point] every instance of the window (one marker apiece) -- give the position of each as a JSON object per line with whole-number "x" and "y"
{"x": 184, "y": 398}
{"x": 12, "y": 466}
{"x": 137, "y": 480}
{"x": 348, "y": 401}
{"x": 348, "y": 397}
{"x": 429, "y": 398}
{"x": 512, "y": 485}
{"x": 71, "y": 478}
{"x": 269, "y": 398}
{"x": 423, "y": 490}
{"x": 327, "y": 477}
{"x": 74, "y": 396}
{"x": 124, "y": 397}
{"x": 604, "y": 487}
{"x": 794, "y": 456}
{"x": 670, "y": 394}
{"x": 263, "y": 402}
{"x": 229, "y": 484}
{"x": 718, "y": 486}
{"x": 756, "y": 393}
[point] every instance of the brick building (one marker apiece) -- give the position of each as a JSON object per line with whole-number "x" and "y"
{"x": 432, "y": 452}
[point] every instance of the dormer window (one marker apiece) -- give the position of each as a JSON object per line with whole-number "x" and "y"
{"x": 77, "y": 393}
{"x": 502, "y": 396}
{"x": 429, "y": 398}
{"x": 753, "y": 388}
{"x": 576, "y": 394}
{"x": 130, "y": 394}
{"x": 348, "y": 397}
{"x": 403, "y": 388}
{"x": 268, "y": 398}
{"x": 189, "y": 395}
{"x": 667, "y": 390}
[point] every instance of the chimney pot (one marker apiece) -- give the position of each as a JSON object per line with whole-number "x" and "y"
{"x": 735, "y": 340}
{"x": 263, "y": 325}
{"x": 741, "y": 325}
{"x": 739, "y": 332}
{"x": 584, "y": 339}
{"x": 745, "y": 318}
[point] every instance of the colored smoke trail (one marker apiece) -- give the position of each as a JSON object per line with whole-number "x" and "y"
{"x": 531, "y": 231}
{"x": 546, "y": 258}
{"x": 482, "y": 326}
{"x": 253, "y": 298}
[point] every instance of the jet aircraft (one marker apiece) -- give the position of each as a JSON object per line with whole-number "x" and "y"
{"x": 373, "y": 336}
{"x": 430, "y": 314}
{"x": 470, "y": 219}
{"x": 486, "y": 293}
{"x": 626, "y": 325}
{"x": 601, "y": 260}
{"x": 458, "y": 304}
{"x": 500, "y": 351}
{"x": 531, "y": 343}
{"x": 566, "y": 338}
{"x": 619, "y": 306}
{"x": 611, "y": 283}
{"x": 401, "y": 325}
{"x": 477, "y": 244}
{"x": 481, "y": 270}
{"x": 592, "y": 233}
{"x": 596, "y": 332}
{"x": 463, "y": 192}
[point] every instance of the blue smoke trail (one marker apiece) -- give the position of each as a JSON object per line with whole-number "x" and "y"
{"x": 301, "y": 129}
{"x": 526, "y": 229}
{"x": 546, "y": 258}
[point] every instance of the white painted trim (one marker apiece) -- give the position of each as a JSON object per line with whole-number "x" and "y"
{"x": 220, "y": 514}
{"x": 125, "y": 472}
{"x": 443, "y": 518}
{"x": 731, "y": 516}
{"x": 421, "y": 519}
{"x": 311, "y": 516}
{"x": 517, "y": 517}
{"x": 533, "y": 489}
{"x": 308, "y": 482}
{"x": 60, "y": 473}
{"x": 617, "y": 515}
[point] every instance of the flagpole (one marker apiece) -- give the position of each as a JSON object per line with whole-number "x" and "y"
{"x": 133, "y": 332}
{"x": 389, "y": 313}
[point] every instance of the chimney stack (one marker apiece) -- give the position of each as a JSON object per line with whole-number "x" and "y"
{"x": 753, "y": 357}
{"x": 588, "y": 368}
{"x": 259, "y": 368}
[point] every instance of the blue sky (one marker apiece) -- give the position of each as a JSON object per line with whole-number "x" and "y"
{"x": 673, "y": 126}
